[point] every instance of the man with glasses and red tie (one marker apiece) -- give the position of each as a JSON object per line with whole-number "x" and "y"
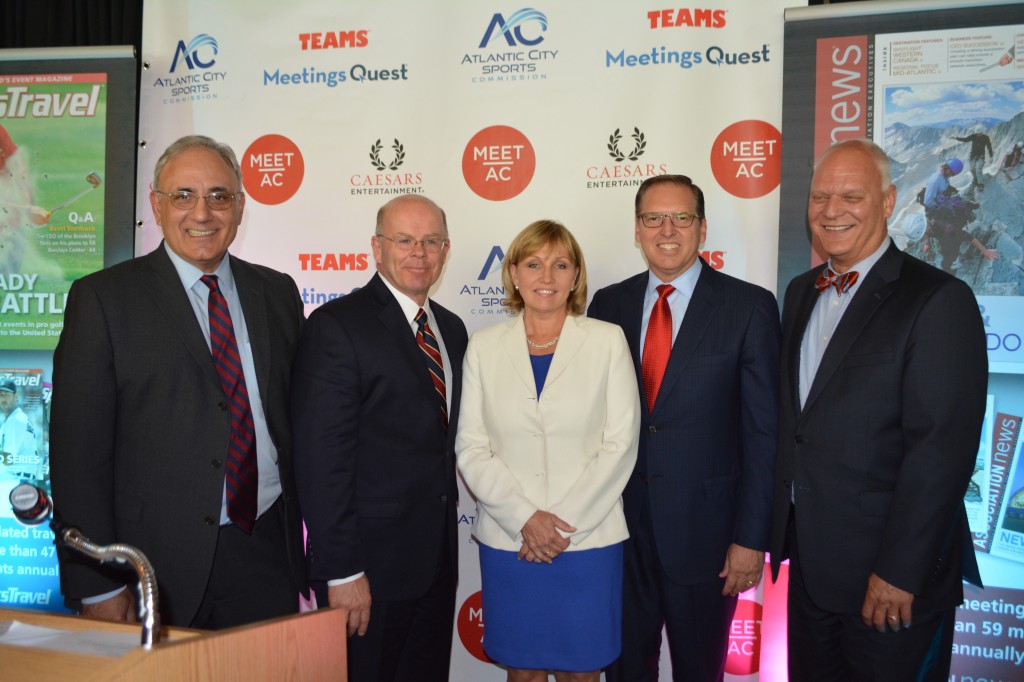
{"x": 170, "y": 426}
{"x": 884, "y": 376}
{"x": 698, "y": 505}
{"x": 375, "y": 398}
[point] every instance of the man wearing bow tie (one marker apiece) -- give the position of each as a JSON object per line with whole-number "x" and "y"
{"x": 883, "y": 384}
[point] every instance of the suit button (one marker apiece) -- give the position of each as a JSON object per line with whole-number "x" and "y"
{"x": 215, "y": 463}
{"x": 652, "y": 428}
{"x": 800, "y": 439}
{"x": 444, "y": 499}
{"x": 209, "y": 521}
{"x": 223, "y": 406}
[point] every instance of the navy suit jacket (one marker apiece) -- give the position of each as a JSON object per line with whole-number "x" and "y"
{"x": 140, "y": 430}
{"x": 375, "y": 466}
{"x": 707, "y": 450}
{"x": 881, "y": 452}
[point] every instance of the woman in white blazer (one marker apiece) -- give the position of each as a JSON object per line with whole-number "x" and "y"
{"x": 547, "y": 440}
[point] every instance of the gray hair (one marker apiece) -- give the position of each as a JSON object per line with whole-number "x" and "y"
{"x": 202, "y": 142}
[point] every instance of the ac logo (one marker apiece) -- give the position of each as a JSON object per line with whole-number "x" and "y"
{"x": 192, "y": 55}
{"x": 512, "y": 30}
{"x": 493, "y": 262}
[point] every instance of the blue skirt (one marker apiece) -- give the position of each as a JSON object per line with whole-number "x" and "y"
{"x": 565, "y": 616}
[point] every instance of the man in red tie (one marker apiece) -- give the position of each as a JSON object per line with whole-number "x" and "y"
{"x": 884, "y": 375}
{"x": 698, "y": 505}
{"x": 170, "y": 428}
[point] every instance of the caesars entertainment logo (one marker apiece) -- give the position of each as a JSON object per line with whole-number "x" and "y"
{"x": 192, "y": 76}
{"x": 511, "y": 49}
{"x": 627, "y": 169}
{"x": 486, "y": 294}
{"x": 387, "y": 173}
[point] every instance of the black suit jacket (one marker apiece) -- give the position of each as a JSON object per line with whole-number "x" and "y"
{"x": 883, "y": 449}
{"x": 139, "y": 435}
{"x": 375, "y": 466}
{"x": 708, "y": 448}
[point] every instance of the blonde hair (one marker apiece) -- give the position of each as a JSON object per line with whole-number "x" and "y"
{"x": 532, "y": 239}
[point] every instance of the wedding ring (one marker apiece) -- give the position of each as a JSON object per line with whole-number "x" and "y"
{"x": 892, "y": 618}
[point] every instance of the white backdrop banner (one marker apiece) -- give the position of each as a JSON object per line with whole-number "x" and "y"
{"x": 500, "y": 112}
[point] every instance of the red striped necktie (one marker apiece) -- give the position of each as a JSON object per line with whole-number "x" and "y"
{"x": 242, "y": 473}
{"x": 432, "y": 355}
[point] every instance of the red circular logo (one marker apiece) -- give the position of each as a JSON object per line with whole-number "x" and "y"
{"x": 498, "y": 163}
{"x": 744, "y": 639}
{"x": 746, "y": 159}
{"x": 471, "y": 626}
{"x": 272, "y": 169}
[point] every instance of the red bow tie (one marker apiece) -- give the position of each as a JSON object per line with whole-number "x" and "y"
{"x": 842, "y": 282}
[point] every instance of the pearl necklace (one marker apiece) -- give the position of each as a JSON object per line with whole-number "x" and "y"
{"x": 542, "y": 346}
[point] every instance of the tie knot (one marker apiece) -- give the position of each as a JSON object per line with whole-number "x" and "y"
{"x": 210, "y": 281}
{"x": 664, "y": 290}
{"x": 842, "y": 282}
{"x": 420, "y": 319}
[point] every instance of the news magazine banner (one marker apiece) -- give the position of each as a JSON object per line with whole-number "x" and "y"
{"x": 503, "y": 113}
{"x": 55, "y": 148}
{"x": 934, "y": 84}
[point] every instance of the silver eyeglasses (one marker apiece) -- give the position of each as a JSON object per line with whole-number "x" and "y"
{"x": 404, "y": 243}
{"x": 217, "y": 201}
{"x": 658, "y": 219}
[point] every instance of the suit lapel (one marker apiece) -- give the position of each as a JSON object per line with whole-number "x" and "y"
{"x": 807, "y": 296}
{"x": 254, "y": 306}
{"x": 400, "y": 329}
{"x": 701, "y": 308}
{"x": 170, "y": 297}
{"x": 569, "y": 343}
{"x": 873, "y": 291}
{"x": 513, "y": 344}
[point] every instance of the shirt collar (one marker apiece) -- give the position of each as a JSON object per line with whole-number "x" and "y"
{"x": 684, "y": 283}
{"x": 409, "y": 306}
{"x": 864, "y": 266}
{"x": 190, "y": 274}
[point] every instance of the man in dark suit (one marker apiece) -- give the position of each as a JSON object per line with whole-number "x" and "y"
{"x": 147, "y": 440}
{"x": 375, "y": 419}
{"x": 698, "y": 505}
{"x": 884, "y": 377}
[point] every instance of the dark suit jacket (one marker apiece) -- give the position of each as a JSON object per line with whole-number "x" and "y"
{"x": 708, "y": 448}
{"x": 139, "y": 428}
{"x": 375, "y": 467}
{"x": 885, "y": 445}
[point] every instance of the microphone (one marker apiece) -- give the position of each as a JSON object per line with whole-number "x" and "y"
{"x": 31, "y": 505}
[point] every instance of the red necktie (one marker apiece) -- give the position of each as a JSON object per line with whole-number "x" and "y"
{"x": 842, "y": 282}
{"x": 432, "y": 354}
{"x": 241, "y": 473}
{"x": 657, "y": 345}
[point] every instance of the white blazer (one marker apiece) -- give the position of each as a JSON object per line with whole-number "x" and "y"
{"x": 570, "y": 452}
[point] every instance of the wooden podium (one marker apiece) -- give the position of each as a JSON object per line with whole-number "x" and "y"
{"x": 308, "y": 646}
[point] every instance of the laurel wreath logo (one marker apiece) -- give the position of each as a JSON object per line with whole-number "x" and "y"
{"x": 638, "y": 150}
{"x": 384, "y": 165}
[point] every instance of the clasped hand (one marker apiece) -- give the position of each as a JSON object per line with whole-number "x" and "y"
{"x": 541, "y": 540}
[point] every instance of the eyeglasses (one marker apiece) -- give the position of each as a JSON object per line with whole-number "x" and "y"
{"x": 217, "y": 201}
{"x": 403, "y": 243}
{"x": 657, "y": 219}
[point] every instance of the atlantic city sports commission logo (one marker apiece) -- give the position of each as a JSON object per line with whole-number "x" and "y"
{"x": 192, "y": 76}
{"x": 510, "y": 49}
